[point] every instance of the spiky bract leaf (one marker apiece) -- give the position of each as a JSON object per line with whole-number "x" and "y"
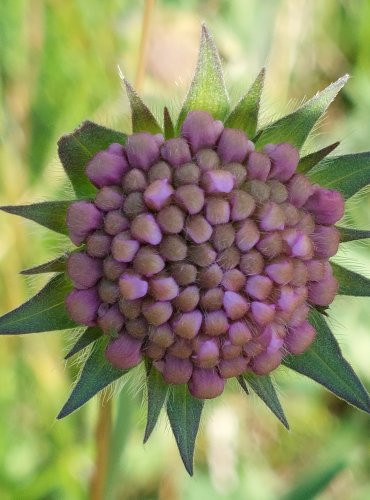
{"x": 347, "y": 174}
{"x": 264, "y": 388}
{"x": 324, "y": 363}
{"x": 168, "y": 126}
{"x": 207, "y": 90}
{"x": 42, "y": 313}
{"x": 157, "y": 393}
{"x": 245, "y": 114}
{"x": 76, "y": 150}
{"x": 296, "y": 127}
{"x": 57, "y": 265}
{"x": 184, "y": 412}
{"x": 96, "y": 374}
{"x": 308, "y": 162}
{"x": 50, "y": 214}
{"x": 141, "y": 116}
{"x": 86, "y": 338}
{"x": 351, "y": 283}
{"x": 350, "y": 234}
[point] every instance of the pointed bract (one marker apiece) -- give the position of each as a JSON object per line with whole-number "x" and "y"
{"x": 86, "y": 338}
{"x": 308, "y": 162}
{"x": 96, "y": 374}
{"x": 184, "y": 412}
{"x": 44, "y": 312}
{"x": 57, "y": 265}
{"x": 264, "y": 388}
{"x": 296, "y": 127}
{"x": 347, "y": 174}
{"x": 76, "y": 150}
{"x": 207, "y": 90}
{"x": 351, "y": 283}
{"x": 350, "y": 234}
{"x": 245, "y": 114}
{"x": 50, "y": 214}
{"x": 168, "y": 126}
{"x": 141, "y": 116}
{"x": 157, "y": 393}
{"x": 324, "y": 363}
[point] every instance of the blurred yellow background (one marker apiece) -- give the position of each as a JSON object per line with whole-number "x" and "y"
{"x": 58, "y": 66}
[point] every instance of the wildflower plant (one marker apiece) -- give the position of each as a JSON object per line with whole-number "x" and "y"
{"x": 202, "y": 250}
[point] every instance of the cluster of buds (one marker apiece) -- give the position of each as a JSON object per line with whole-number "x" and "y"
{"x": 202, "y": 254}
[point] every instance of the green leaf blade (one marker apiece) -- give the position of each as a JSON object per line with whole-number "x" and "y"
{"x": 50, "y": 214}
{"x": 245, "y": 114}
{"x": 86, "y": 338}
{"x": 308, "y": 162}
{"x": 296, "y": 127}
{"x": 157, "y": 394}
{"x": 350, "y": 234}
{"x": 207, "y": 90}
{"x": 142, "y": 118}
{"x": 76, "y": 150}
{"x": 44, "y": 312}
{"x": 169, "y": 128}
{"x": 324, "y": 363}
{"x": 347, "y": 174}
{"x": 184, "y": 412}
{"x": 96, "y": 374}
{"x": 351, "y": 283}
{"x": 57, "y": 265}
{"x": 264, "y": 388}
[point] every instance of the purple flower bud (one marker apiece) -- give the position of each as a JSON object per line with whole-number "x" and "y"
{"x": 98, "y": 244}
{"x": 300, "y": 338}
{"x": 123, "y": 248}
{"x": 83, "y": 305}
{"x": 181, "y": 348}
{"x": 272, "y": 217}
{"x": 207, "y": 159}
{"x": 235, "y": 305}
{"x": 108, "y": 291}
{"x": 205, "y": 383}
{"x": 229, "y": 350}
{"x": 210, "y": 277}
{"x": 82, "y": 218}
{"x": 258, "y": 166}
{"x": 142, "y": 150}
{"x": 207, "y": 353}
{"x": 109, "y": 198}
{"x": 132, "y": 286}
{"x": 217, "y": 211}
{"x": 157, "y": 313}
{"x": 83, "y": 270}
{"x": 184, "y": 273}
{"x": 112, "y": 321}
{"x": 134, "y": 180}
{"x": 112, "y": 268}
{"x": 116, "y": 149}
{"x": 233, "y": 280}
{"x": 239, "y": 333}
{"x": 326, "y": 205}
{"x": 233, "y": 145}
{"x": 137, "y": 328}
{"x": 190, "y": 198}
{"x": 144, "y": 228}
{"x": 262, "y": 313}
{"x": 176, "y": 151}
{"x": 160, "y": 170}
{"x": 288, "y": 300}
{"x": 326, "y": 241}
{"x": 280, "y": 271}
{"x": 299, "y": 243}
{"x": 154, "y": 351}
{"x": 188, "y": 299}
{"x": 315, "y": 269}
{"x": 238, "y": 171}
{"x": 266, "y": 362}
{"x": 158, "y": 194}
{"x": 322, "y": 293}
{"x": 233, "y": 367}
{"x": 201, "y": 130}
{"x": 252, "y": 263}
{"x": 106, "y": 169}
{"x": 278, "y": 191}
{"x": 176, "y": 370}
{"x": 187, "y": 325}
{"x": 299, "y": 315}
{"x": 215, "y": 323}
{"x": 198, "y": 229}
{"x": 115, "y": 222}
{"x": 163, "y": 288}
{"x": 212, "y": 299}
{"x": 188, "y": 173}
{"x": 162, "y": 335}
{"x": 173, "y": 248}
{"x": 284, "y": 158}
{"x": 218, "y": 181}
{"x": 259, "y": 287}
{"x": 171, "y": 219}
{"x": 270, "y": 245}
{"x": 300, "y": 189}
{"x": 242, "y": 205}
{"x": 124, "y": 352}
{"x": 247, "y": 236}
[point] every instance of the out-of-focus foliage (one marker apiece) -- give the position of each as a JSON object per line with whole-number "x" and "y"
{"x": 57, "y": 68}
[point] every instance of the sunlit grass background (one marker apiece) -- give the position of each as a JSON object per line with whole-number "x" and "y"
{"x": 58, "y": 61}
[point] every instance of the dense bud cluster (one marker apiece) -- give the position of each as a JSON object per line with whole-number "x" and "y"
{"x": 202, "y": 254}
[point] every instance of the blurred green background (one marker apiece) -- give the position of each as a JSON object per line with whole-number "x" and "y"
{"x": 58, "y": 66}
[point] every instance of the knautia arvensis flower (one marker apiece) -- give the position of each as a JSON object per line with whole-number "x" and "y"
{"x": 202, "y": 250}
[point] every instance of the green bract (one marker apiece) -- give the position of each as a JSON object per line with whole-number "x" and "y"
{"x": 322, "y": 362}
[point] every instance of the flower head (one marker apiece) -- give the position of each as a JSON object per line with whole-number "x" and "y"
{"x": 203, "y": 249}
